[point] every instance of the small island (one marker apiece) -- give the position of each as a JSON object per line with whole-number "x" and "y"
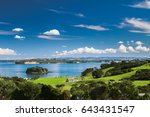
{"x": 37, "y": 70}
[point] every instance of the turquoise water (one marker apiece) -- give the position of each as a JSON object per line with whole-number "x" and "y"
{"x": 55, "y": 70}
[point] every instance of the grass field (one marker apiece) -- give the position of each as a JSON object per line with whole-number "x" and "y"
{"x": 62, "y": 80}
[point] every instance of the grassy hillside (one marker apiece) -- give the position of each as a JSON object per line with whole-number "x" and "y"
{"x": 67, "y": 85}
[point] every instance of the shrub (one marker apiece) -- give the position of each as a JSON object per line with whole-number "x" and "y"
{"x": 97, "y": 73}
{"x": 143, "y": 74}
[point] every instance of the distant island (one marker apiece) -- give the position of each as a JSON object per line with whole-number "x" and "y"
{"x": 73, "y": 60}
{"x": 36, "y": 70}
{"x": 48, "y": 61}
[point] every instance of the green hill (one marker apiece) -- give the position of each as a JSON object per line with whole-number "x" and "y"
{"x": 116, "y": 78}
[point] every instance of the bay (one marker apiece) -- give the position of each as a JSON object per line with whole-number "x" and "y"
{"x": 10, "y": 69}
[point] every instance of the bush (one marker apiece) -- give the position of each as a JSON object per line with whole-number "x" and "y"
{"x": 87, "y": 71}
{"x": 7, "y": 87}
{"x": 143, "y": 74}
{"x": 124, "y": 90}
{"x": 97, "y": 73}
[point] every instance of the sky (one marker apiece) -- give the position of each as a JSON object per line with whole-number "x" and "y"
{"x": 74, "y": 28}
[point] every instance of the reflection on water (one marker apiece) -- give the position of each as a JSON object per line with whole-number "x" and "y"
{"x": 55, "y": 70}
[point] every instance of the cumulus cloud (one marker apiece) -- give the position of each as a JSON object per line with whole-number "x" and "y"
{"x": 17, "y": 30}
{"x": 136, "y": 48}
{"x": 139, "y": 43}
{"x": 131, "y": 49}
{"x": 19, "y": 37}
{"x": 52, "y": 32}
{"x": 138, "y": 25}
{"x": 141, "y": 48}
{"x": 122, "y": 48}
{"x": 145, "y": 5}
{"x": 7, "y": 51}
{"x": 120, "y": 42}
{"x": 85, "y": 50}
{"x": 92, "y": 27}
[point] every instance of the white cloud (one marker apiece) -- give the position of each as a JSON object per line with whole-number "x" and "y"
{"x": 3, "y": 32}
{"x": 92, "y": 27}
{"x": 49, "y": 37}
{"x": 136, "y": 48}
{"x": 7, "y": 51}
{"x": 139, "y": 43}
{"x": 120, "y": 42}
{"x": 85, "y": 50}
{"x": 52, "y": 32}
{"x": 122, "y": 25}
{"x": 141, "y": 48}
{"x": 44, "y": 37}
{"x": 68, "y": 13}
{"x": 145, "y": 5}
{"x": 80, "y": 15}
{"x": 131, "y": 49}
{"x": 139, "y": 25}
{"x": 17, "y": 30}
{"x": 19, "y": 37}
{"x": 122, "y": 48}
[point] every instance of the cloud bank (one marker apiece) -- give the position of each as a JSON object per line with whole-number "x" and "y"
{"x": 136, "y": 48}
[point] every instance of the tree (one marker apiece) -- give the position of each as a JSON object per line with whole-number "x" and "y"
{"x": 87, "y": 71}
{"x": 26, "y": 91}
{"x": 99, "y": 92}
{"x": 49, "y": 93}
{"x": 143, "y": 74}
{"x": 97, "y": 73}
{"x": 124, "y": 90}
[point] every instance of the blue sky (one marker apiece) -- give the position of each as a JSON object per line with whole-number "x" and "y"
{"x": 74, "y": 28}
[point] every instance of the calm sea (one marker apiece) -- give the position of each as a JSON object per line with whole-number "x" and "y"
{"x": 10, "y": 69}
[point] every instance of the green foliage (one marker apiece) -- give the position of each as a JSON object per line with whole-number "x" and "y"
{"x": 37, "y": 70}
{"x": 89, "y": 90}
{"x": 17, "y": 89}
{"x": 124, "y": 90}
{"x": 87, "y": 71}
{"x": 117, "y": 71}
{"x": 143, "y": 74}
{"x": 26, "y": 91}
{"x": 97, "y": 73}
{"x": 49, "y": 93}
{"x": 66, "y": 95}
{"x": 7, "y": 87}
{"x": 105, "y": 66}
{"x": 121, "y": 67}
